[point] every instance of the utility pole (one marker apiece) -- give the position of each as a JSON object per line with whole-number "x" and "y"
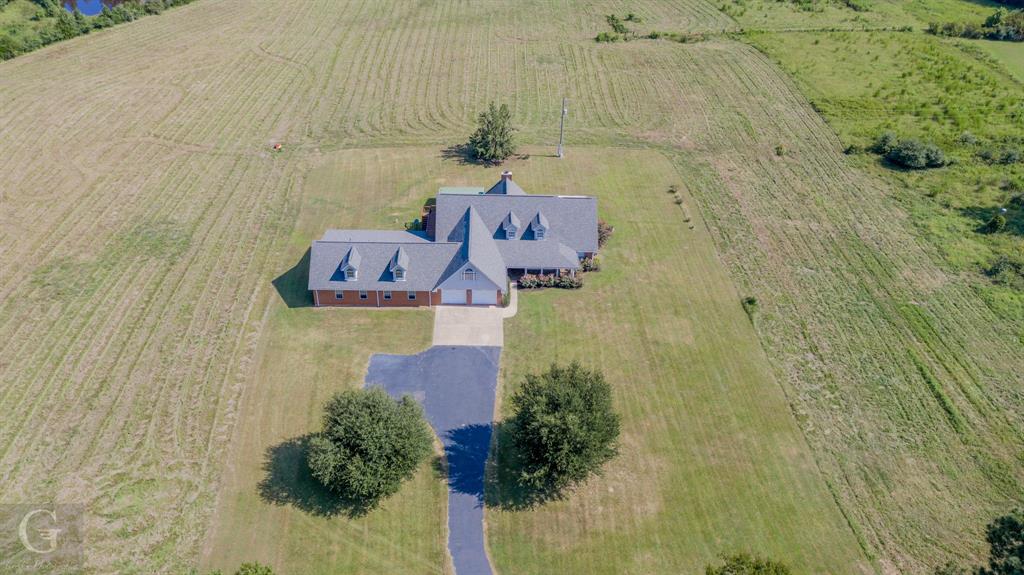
{"x": 561, "y": 128}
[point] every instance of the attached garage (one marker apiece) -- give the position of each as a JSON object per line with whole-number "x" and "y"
{"x": 454, "y": 296}
{"x": 485, "y": 297}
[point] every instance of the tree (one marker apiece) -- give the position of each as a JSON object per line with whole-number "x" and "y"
{"x": 493, "y": 142}
{"x": 1005, "y": 538}
{"x": 745, "y": 564}
{"x": 563, "y": 427}
{"x": 995, "y": 225}
{"x": 369, "y": 445}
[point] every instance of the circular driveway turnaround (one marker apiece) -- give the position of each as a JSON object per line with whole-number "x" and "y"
{"x": 456, "y": 387}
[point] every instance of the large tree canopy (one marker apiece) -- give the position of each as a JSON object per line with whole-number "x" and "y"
{"x": 563, "y": 426}
{"x": 493, "y": 140}
{"x": 1005, "y": 538}
{"x": 369, "y": 445}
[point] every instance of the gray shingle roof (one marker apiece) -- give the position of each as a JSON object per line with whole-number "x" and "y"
{"x": 427, "y": 263}
{"x": 506, "y": 187}
{"x": 367, "y": 236}
{"x": 481, "y": 251}
{"x": 572, "y": 220}
{"x": 535, "y": 255}
{"x": 469, "y": 228}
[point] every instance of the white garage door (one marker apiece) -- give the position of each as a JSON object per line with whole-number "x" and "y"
{"x": 485, "y": 297}
{"x": 453, "y": 296}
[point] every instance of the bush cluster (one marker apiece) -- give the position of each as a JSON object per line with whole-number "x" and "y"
{"x": 912, "y": 154}
{"x": 1003, "y": 24}
{"x": 531, "y": 281}
{"x": 1005, "y": 156}
{"x": 591, "y": 264}
{"x": 604, "y": 232}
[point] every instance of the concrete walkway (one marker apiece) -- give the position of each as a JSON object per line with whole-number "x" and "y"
{"x": 456, "y": 387}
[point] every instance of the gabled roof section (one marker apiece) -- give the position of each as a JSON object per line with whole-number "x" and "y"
{"x": 511, "y": 221}
{"x": 506, "y": 187}
{"x": 428, "y": 262}
{"x": 400, "y": 260}
{"x": 539, "y": 221}
{"x": 571, "y": 220}
{"x": 352, "y": 259}
{"x": 481, "y": 251}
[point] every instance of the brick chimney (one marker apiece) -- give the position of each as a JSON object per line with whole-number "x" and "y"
{"x": 506, "y": 176}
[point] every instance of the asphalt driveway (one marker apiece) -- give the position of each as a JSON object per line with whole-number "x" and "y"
{"x": 456, "y": 385}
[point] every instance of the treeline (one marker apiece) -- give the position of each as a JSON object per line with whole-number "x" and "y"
{"x": 66, "y": 25}
{"x": 1003, "y": 24}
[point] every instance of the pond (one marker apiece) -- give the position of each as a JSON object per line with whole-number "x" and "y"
{"x": 89, "y": 7}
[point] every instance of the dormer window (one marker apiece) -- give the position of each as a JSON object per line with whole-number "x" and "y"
{"x": 468, "y": 275}
{"x": 399, "y": 263}
{"x": 350, "y": 265}
{"x": 511, "y": 226}
{"x": 539, "y": 226}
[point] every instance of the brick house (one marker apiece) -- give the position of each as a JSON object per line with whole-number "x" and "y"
{"x": 475, "y": 239}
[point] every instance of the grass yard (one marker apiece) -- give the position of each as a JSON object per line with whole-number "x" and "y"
{"x": 707, "y": 428}
{"x": 269, "y": 509}
{"x": 712, "y": 461}
{"x": 145, "y": 352}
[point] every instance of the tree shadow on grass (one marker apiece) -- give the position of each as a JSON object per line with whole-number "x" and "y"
{"x": 293, "y": 284}
{"x": 288, "y": 481}
{"x": 504, "y": 486}
{"x": 463, "y": 155}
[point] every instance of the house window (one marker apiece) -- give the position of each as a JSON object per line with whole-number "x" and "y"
{"x": 399, "y": 275}
{"x": 350, "y": 273}
{"x": 339, "y": 295}
{"x": 538, "y": 233}
{"x": 510, "y": 234}
{"x": 469, "y": 275}
{"x": 387, "y": 294}
{"x": 411, "y": 295}
{"x": 363, "y": 294}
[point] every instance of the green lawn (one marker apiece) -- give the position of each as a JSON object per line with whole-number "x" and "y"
{"x": 269, "y": 509}
{"x": 712, "y": 460}
{"x": 1009, "y": 54}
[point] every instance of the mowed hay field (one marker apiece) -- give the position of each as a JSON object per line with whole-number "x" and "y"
{"x": 143, "y": 219}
